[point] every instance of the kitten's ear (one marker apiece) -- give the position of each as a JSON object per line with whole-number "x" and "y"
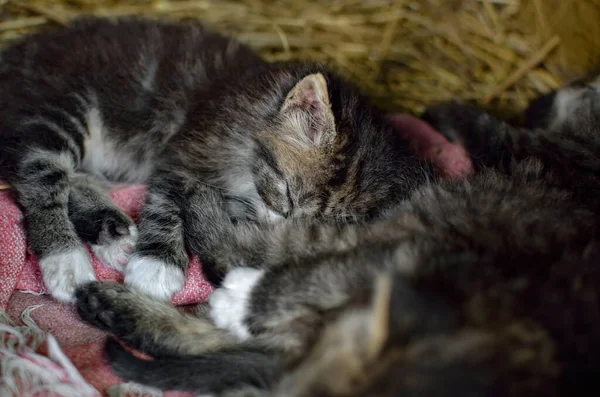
{"x": 308, "y": 111}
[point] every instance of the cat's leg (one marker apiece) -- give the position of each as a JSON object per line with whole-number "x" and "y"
{"x": 570, "y": 150}
{"x": 490, "y": 142}
{"x": 253, "y": 302}
{"x": 150, "y": 325}
{"x": 42, "y": 182}
{"x": 295, "y": 247}
{"x": 243, "y": 371}
{"x": 189, "y": 352}
{"x": 160, "y": 259}
{"x": 302, "y": 239}
{"x": 230, "y": 303}
{"x": 210, "y": 233}
{"x": 98, "y": 221}
{"x": 563, "y": 129}
{"x": 179, "y": 213}
{"x": 288, "y": 303}
{"x": 266, "y": 245}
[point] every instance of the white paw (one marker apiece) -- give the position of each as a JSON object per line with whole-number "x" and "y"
{"x": 154, "y": 277}
{"x": 115, "y": 252}
{"x": 229, "y": 303}
{"x": 64, "y": 272}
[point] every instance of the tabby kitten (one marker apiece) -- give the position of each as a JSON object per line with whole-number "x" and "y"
{"x": 223, "y": 139}
{"x": 482, "y": 287}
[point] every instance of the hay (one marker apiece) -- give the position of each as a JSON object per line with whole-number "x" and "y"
{"x": 405, "y": 53}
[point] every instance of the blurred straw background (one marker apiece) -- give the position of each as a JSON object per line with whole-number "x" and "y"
{"x": 404, "y": 53}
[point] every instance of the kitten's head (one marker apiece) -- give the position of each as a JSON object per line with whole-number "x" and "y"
{"x": 326, "y": 151}
{"x": 575, "y": 107}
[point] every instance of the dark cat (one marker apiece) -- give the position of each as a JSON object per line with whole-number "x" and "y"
{"x": 483, "y": 287}
{"x": 221, "y": 137}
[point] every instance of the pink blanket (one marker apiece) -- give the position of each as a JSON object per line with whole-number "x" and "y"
{"x": 82, "y": 344}
{"x": 20, "y": 270}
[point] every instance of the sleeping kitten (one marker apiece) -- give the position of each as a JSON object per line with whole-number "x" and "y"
{"x": 223, "y": 139}
{"x": 482, "y": 287}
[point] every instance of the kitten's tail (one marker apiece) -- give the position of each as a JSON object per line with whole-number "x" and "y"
{"x": 214, "y": 372}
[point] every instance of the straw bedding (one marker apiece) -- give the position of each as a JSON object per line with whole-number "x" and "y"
{"x": 405, "y": 53}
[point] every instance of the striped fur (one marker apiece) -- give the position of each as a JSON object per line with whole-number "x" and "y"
{"x": 223, "y": 139}
{"x": 482, "y": 287}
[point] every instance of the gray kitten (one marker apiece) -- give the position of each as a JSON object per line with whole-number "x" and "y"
{"x": 483, "y": 287}
{"x": 222, "y": 138}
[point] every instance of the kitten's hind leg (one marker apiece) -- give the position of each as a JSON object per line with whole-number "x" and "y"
{"x": 244, "y": 371}
{"x": 42, "y": 183}
{"x": 190, "y": 353}
{"x": 98, "y": 221}
{"x": 150, "y": 325}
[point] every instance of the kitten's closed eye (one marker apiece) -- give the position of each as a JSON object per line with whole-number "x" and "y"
{"x": 283, "y": 204}
{"x": 275, "y": 193}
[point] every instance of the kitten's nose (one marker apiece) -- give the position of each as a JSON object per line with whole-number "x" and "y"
{"x": 286, "y": 214}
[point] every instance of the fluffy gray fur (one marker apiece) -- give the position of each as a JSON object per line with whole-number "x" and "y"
{"x": 481, "y": 287}
{"x": 222, "y": 138}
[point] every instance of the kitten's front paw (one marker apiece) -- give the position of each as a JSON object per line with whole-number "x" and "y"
{"x": 229, "y": 303}
{"x": 110, "y": 306}
{"x": 116, "y": 241}
{"x": 64, "y": 272}
{"x": 154, "y": 277}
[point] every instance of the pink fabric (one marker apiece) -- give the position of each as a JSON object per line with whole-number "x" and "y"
{"x": 451, "y": 159}
{"x": 130, "y": 199}
{"x": 19, "y": 270}
{"x": 82, "y": 343}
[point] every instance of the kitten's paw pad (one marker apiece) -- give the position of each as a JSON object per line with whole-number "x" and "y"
{"x": 154, "y": 277}
{"x": 229, "y": 303}
{"x": 64, "y": 272}
{"x": 116, "y": 240}
{"x": 105, "y": 305}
